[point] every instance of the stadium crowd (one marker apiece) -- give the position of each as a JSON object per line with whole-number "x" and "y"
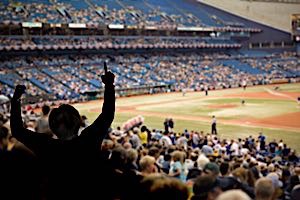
{"x": 150, "y": 42}
{"x": 64, "y": 12}
{"x": 70, "y": 77}
{"x": 132, "y": 161}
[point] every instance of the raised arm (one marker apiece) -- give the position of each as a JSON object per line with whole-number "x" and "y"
{"x": 98, "y": 129}
{"x": 31, "y": 139}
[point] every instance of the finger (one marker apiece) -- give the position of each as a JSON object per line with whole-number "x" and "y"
{"x": 105, "y": 68}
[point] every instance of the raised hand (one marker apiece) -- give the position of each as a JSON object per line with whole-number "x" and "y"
{"x": 19, "y": 91}
{"x": 108, "y": 77}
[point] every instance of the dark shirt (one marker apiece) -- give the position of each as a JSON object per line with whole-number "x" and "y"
{"x": 71, "y": 167}
{"x": 273, "y": 146}
{"x": 261, "y": 138}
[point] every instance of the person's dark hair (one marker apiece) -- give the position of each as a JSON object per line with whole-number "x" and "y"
{"x": 118, "y": 157}
{"x": 45, "y": 109}
{"x": 64, "y": 121}
{"x": 143, "y": 128}
{"x": 167, "y": 157}
{"x": 224, "y": 167}
{"x": 153, "y": 151}
{"x": 83, "y": 117}
{"x": 193, "y": 173}
{"x": 203, "y": 185}
{"x": 194, "y": 157}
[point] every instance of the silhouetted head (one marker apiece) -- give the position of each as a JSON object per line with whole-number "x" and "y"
{"x": 143, "y": 129}
{"x": 64, "y": 121}
{"x": 45, "y": 110}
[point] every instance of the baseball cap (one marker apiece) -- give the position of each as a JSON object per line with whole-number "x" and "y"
{"x": 213, "y": 167}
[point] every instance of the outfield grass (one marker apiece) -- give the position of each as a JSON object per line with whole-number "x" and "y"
{"x": 255, "y": 108}
{"x": 196, "y": 104}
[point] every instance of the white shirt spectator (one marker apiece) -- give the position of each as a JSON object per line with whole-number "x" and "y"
{"x": 235, "y": 149}
{"x": 165, "y": 140}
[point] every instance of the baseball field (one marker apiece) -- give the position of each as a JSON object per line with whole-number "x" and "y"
{"x": 271, "y": 109}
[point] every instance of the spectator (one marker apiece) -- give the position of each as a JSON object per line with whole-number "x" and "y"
{"x": 211, "y": 169}
{"x": 264, "y": 189}
{"x": 147, "y": 165}
{"x": 143, "y": 135}
{"x": 157, "y": 186}
{"x": 206, "y": 187}
{"x": 177, "y": 168}
{"x": 69, "y": 149}
{"x": 233, "y": 195}
{"x": 42, "y": 124}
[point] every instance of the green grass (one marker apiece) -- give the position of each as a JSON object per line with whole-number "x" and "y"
{"x": 255, "y": 108}
{"x": 196, "y": 104}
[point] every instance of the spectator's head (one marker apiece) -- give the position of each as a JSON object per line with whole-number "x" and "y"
{"x": 275, "y": 180}
{"x": 132, "y": 155}
{"x": 156, "y": 186}
{"x": 178, "y": 156}
{"x": 45, "y": 109}
{"x": 143, "y": 128}
{"x": 297, "y": 171}
{"x": 264, "y": 189}
{"x": 206, "y": 187}
{"x": 233, "y": 195}
{"x": 118, "y": 157}
{"x": 83, "y": 121}
{"x": 224, "y": 167}
{"x": 65, "y": 121}
{"x": 202, "y": 161}
{"x": 147, "y": 165}
{"x": 154, "y": 151}
{"x": 127, "y": 145}
{"x": 244, "y": 175}
{"x": 277, "y": 184}
{"x": 211, "y": 169}
{"x": 107, "y": 145}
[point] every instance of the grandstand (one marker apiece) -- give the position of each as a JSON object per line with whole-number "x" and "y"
{"x": 113, "y": 27}
{"x": 184, "y": 61}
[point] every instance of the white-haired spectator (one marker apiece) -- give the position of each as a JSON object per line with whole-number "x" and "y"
{"x": 202, "y": 161}
{"x": 233, "y": 195}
